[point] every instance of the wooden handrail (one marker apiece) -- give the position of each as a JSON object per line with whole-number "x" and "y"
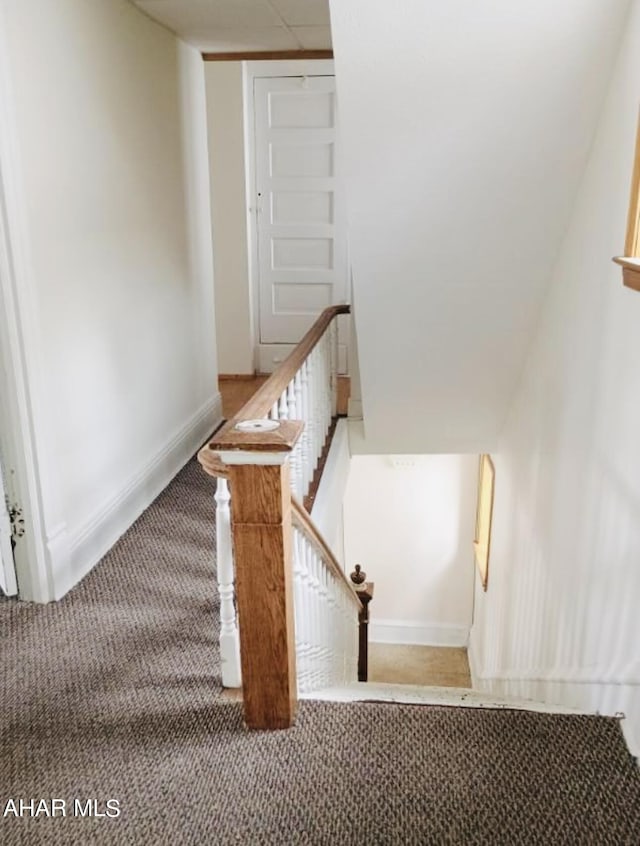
{"x": 301, "y": 519}
{"x": 268, "y": 394}
{"x": 212, "y": 464}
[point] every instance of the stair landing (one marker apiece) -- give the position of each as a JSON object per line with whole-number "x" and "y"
{"x": 408, "y": 694}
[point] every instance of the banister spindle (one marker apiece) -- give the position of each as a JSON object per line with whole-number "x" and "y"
{"x": 318, "y": 405}
{"x": 283, "y": 406}
{"x": 291, "y": 401}
{"x": 317, "y": 423}
{"x": 305, "y": 437}
{"x": 296, "y": 465}
{"x": 300, "y": 446}
{"x": 312, "y": 421}
{"x": 301, "y": 607}
{"x": 333, "y": 334}
{"x": 229, "y": 638}
{"x": 326, "y": 385}
{"x": 316, "y": 615}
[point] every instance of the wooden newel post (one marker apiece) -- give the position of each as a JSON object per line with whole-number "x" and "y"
{"x": 364, "y": 590}
{"x": 262, "y": 540}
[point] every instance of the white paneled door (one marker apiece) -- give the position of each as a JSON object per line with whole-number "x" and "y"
{"x": 301, "y": 226}
{"x": 8, "y": 584}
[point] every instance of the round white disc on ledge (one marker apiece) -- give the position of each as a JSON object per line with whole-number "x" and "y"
{"x": 257, "y": 425}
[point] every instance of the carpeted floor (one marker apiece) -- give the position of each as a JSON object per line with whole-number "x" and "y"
{"x": 113, "y": 694}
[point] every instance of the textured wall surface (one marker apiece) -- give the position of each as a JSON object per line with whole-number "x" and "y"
{"x": 560, "y": 620}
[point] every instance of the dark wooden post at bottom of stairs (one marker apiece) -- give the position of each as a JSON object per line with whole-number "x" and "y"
{"x": 364, "y": 591}
{"x": 262, "y": 541}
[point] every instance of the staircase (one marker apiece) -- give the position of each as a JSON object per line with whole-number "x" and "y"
{"x": 292, "y": 624}
{"x": 297, "y": 623}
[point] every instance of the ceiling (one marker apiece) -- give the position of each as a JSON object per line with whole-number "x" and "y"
{"x": 228, "y": 26}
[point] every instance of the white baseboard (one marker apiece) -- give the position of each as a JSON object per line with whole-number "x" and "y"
{"x": 87, "y": 544}
{"x": 631, "y": 735}
{"x": 571, "y": 687}
{"x": 472, "y": 658}
{"x": 417, "y": 632}
{"x": 354, "y": 410}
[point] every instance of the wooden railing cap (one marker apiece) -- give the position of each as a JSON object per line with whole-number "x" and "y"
{"x": 305, "y": 524}
{"x": 211, "y": 463}
{"x": 281, "y": 439}
{"x": 268, "y": 394}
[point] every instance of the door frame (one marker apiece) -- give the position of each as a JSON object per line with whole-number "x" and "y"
{"x": 18, "y": 356}
{"x": 250, "y": 72}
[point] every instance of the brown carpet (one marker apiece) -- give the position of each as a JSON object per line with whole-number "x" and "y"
{"x": 113, "y": 694}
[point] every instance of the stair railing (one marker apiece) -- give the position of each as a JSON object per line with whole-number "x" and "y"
{"x": 327, "y": 611}
{"x": 265, "y": 459}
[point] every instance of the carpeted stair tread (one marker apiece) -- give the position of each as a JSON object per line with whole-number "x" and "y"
{"x": 411, "y": 694}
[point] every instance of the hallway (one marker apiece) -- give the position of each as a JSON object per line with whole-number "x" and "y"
{"x": 113, "y": 694}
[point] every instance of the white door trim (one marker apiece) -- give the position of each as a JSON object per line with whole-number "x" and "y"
{"x": 250, "y": 72}
{"x": 18, "y": 359}
{"x": 8, "y": 582}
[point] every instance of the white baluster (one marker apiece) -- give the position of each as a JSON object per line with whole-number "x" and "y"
{"x": 326, "y": 619}
{"x": 229, "y": 638}
{"x": 326, "y": 625}
{"x": 326, "y": 386}
{"x": 317, "y": 405}
{"x": 295, "y": 460}
{"x": 274, "y": 413}
{"x": 313, "y": 436}
{"x": 291, "y": 401}
{"x": 328, "y": 383}
{"x": 329, "y": 412}
{"x": 324, "y": 403}
{"x": 334, "y": 629}
{"x": 301, "y": 602}
{"x": 343, "y": 643}
{"x": 304, "y": 439}
{"x": 333, "y": 334}
{"x": 283, "y": 408}
{"x": 315, "y": 383}
{"x": 351, "y": 641}
{"x": 344, "y": 637}
{"x": 317, "y": 616}
{"x": 325, "y": 399}
{"x": 297, "y": 388}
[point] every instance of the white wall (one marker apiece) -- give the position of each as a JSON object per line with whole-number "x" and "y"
{"x": 409, "y": 522}
{"x": 112, "y": 219}
{"x": 560, "y": 620}
{"x": 229, "y": 216}
{"x": 466, "y": 128}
